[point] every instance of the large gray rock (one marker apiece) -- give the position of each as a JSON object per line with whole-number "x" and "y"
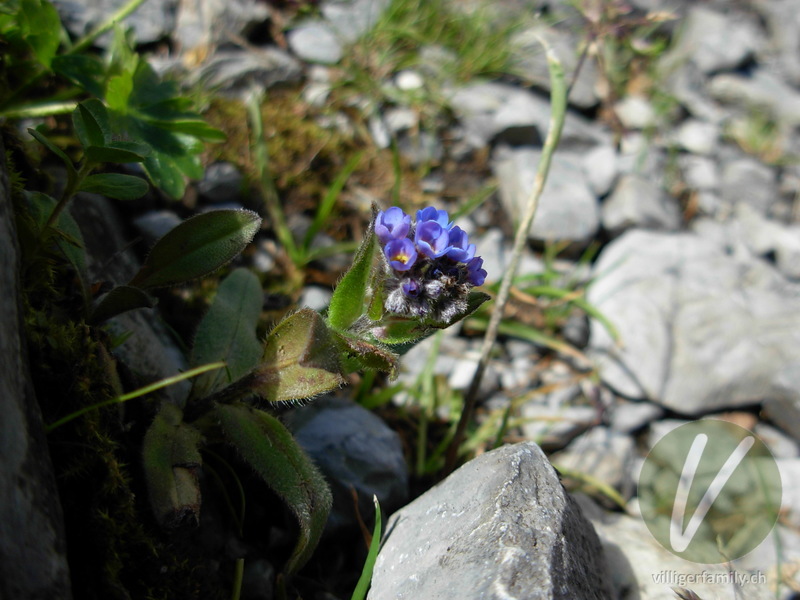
{"x": 763, "y": 91}
{"x": 501, "y": 527}
{"x": 568, "y": 209}
{"x": 355, "y": 450}
{"x": 639, "y": 202}
{"x": 641, "y": 569}
{"x": 324, "y": 40}
{"x": 714, "y": 41}
{"x": 33, "y": 562}
{"x": 700, "y": 330}
{"x": 151, "y": 22}
{"x": 205, "y": 24}
{"x": 503, "y": 112}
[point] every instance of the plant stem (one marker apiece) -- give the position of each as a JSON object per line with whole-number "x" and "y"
{"x": 162, "y": 383}
{"x": 40, "y": 110}
{"x": 558, "y": 104}
{"x": 108, "y": 24}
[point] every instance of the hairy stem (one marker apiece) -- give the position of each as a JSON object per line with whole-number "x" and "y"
{"x": 558, "y": 102}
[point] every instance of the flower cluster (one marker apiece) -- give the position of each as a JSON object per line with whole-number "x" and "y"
{"x": 430, "y": 263}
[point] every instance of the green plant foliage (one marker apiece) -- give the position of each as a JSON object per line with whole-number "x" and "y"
{"x": 228, "y": 332}
{"x": 300, "y": 360}
{"x": 268, "y": 447}
{"x": 120, "y": 299}
{"x": 198, "y": 246}
{"x": 347, "y": 302}
{"x": 362, "y": 587}
{"x": 115, "y": 185}
{"x": 171, "y": 460}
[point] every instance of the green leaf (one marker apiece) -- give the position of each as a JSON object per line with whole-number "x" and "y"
{"x": 194, "y": 127}
{"x": 171, "y": 461}
{"x": 118, "y": 92}
{"x": 347, "y": 302}
{"x": 90, "y": 119}
{"x": 88, "y": 72}
{"x": 68, "y": 235}
{"x": 115, "y": 185}
{"x": 55, "y": 150}
{"x": 364, "y": 355}
{"x": 119, "y": 300}
{"x": 268, "y": 447}
{"x": 301, "y": 360}
{"x": 117, "y": 152}
{"x": 228, "y": 332}
{"x": 198, "y": 246}
{"x": 362, "y": 587}
{"x": 42, "y": 18}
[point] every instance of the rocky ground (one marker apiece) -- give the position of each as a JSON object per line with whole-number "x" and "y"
{"x": 674, "y": 202}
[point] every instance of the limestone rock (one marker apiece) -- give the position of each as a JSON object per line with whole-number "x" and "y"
{"x": 500, "y": 527}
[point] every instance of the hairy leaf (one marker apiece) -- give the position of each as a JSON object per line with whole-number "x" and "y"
{"x": 268, "y": 447}
{"x": 119, "y": 300}
{"x": 198, "y": 246}
{"x": 348, "y": 300}
{"x": 301, "y": 360}
{"x": 360, "y": 354}
{"x": 90, "y": 120}
{"x": 55, "y": 150}
{"x": 228, "y": 332}
{"x": 115, "y": 185}
{"x": 117, "y": 152}
{"x": 171, "y": 461}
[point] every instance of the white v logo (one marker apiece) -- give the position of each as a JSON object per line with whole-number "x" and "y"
{"x": 678, "y": 537}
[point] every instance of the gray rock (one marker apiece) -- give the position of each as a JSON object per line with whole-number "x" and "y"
{"x": 603, "y": 453}
{"x": 697, "y": 137}
{"x": 568, "y": 210}
{"x": 351, "y": 19}
{"x": 635, "y": 112}
{"x": 700, "y": 330}
{"x": 409, "y": 80}
{"x": 149, "y": 351}
{"x": 762, "y": 91}
{"x": 155, "y": 224}
{"x": 714, "y": 41}
{"x": 600, "y": 165}
{"x": 355, "y": 450}
{"x": 750, "y": 182}
{"x": 206, "y": 24}
{"x": 627, "y": 417}
{"x": 315, "y": 297}
{"x": 553, "y": 426}
{"x": 641, "y": 569}
{"x": 495, "y": 250}
{"x": 33, "y": 562}
{"x": 508, "y": 113}
{"x": 316, "y": 41}
{"x": 530, "y": 59}
{"x": 151, "y": 22}
{"x": 237, "y": 72}
{"x": 500, "y": 527}
{"x": 783, "y": 24}
{"x": 699, "y": 172}
{"x": 780, "y": 444}
{"x": 639, "y": 202}
{"x": 222, "y": 182}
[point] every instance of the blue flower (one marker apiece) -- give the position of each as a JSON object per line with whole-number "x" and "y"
{"x": 460, "y": 249}
{"x": 475, "y": 274}
{"x": 437, "y": 216}
{"x": 401, "y": 254}
{"x": 392, "y": 224}
{"x": 432, "y": 239}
